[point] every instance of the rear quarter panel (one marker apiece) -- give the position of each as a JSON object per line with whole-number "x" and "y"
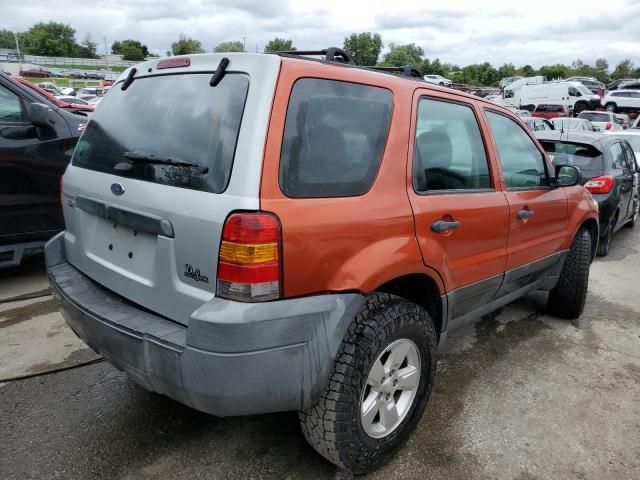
{"x": 346, "y": 243}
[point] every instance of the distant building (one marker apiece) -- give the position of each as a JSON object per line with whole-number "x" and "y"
{"x": 8, "y": 55}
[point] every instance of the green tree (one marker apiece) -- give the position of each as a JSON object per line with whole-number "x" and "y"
{"x": 186, "y": 45}
{"x": 507, "y": 70}
{"x": 552, "y": 72}
{"x": 7, "y": 40}
{"x": 601, "y": 70}
{"x": 526, "y": 71}
{"x": 229, "y": 47}
{"x": 131, "y": 52}
{"x": 130, "y": 45}
{"x": 364, "y": 48}
{"x": 428, "y": 67}
{"x": 278, "y": 45}
{"x": 623, "y": 70}
{"x": 87, "y": 49}
{"x": 51, "y": 39}
{"x": 400, "y": 55}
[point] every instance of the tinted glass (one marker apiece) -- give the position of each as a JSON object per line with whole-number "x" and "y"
{"x": 522, "y": 162}
{"x": 577, "y": 154}
{"x": 10, "y": 107}
{"x": 617, "y": 156}
{"x": 631, "y": 158}
{"x": 449, "y": 151}
{"x": 169, "y": 117}
{"x": 334, "y": 138}
{"x": 595, "y": 117}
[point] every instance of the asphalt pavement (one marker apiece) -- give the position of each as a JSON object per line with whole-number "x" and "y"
{"x": 519, "y": 395}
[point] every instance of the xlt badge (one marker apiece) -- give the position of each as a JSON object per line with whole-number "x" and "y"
{"x": 194, "y": 273}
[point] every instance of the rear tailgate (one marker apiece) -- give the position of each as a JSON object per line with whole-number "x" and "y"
{"x": 150, "y": 232}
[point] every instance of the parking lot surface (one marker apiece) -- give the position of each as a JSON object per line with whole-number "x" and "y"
{"x": 518, "y": 395}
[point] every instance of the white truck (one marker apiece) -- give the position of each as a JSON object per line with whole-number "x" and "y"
{"x": 572, "y": 94}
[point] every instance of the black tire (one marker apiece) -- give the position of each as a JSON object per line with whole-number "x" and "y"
{"x": 333, "y": 426}
{"x": 579, "y": 107}
{"x": 604, "y": 245}
{"x": 610, "y": 107}
{"x": 567, "y": 299}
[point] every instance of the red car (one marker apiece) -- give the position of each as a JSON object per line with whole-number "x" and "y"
{"x": 36, "y": 72}
{"x": 548, "y": 110}
{"x": 59, "y": 103}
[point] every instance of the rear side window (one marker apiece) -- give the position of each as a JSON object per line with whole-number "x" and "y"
{"x": 334, "y": 137}
{"x": 522, "y": 163}
{"x": 174, "y": 130}
{"x": 10, "y": 107}
{"x": 449, "y": 152}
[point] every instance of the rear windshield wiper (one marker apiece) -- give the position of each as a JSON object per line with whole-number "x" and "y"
{"x": 134, "y": 158}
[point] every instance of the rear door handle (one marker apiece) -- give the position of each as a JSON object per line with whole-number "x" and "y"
{"x": 524, "y": 214}
{"x": 442, "y": 225}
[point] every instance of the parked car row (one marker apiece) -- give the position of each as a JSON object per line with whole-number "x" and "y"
{"x": 42, "y": 72}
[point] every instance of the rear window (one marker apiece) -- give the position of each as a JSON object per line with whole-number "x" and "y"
{"x": 576, "y": 154}
{"x": 174, "y": 130}
{"x": 334, "y": 136}
{"x": 595, "y": 117}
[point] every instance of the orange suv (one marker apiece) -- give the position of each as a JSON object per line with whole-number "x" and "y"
{"x": 260, "y": 233}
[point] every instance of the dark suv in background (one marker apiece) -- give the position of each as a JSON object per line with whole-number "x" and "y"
{"x": 36, "y": 142}
{"x": 608, "y": 170}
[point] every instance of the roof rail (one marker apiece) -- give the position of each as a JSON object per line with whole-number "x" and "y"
{"x": 405, "y": 70}
{"x": 331, "y": 54}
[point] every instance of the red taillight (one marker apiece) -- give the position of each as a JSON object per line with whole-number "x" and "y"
{"x": 602, "y": 184}
{"x": 173, "y": 63}
{"x": 249, "y": 266}
{"x": 608, "y": 126}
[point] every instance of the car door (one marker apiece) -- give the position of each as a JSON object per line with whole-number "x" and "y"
{"x": 623, "y": 174}
{"x": 537, "y": 211}
{"x": 461, "y": 216}
{"x": 32, "y": 160}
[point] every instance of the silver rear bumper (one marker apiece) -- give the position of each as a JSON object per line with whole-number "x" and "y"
{"x": 232, "y": 359}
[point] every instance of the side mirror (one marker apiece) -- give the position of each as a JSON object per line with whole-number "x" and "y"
{"x": 567, "y": 176}
{"x": 40, "y": 115}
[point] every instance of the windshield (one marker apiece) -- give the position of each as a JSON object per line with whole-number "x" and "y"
{"x": 595, "y": 116}
{"x": 568, "y": 123}
{"x": 180, "y": 117}
{"x": 576, "y": 154}
{"x": 584, "y": 90}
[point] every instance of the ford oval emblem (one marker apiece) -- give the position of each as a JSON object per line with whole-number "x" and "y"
{"x": 117, "y": 188}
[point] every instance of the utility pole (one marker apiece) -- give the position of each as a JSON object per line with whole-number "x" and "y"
{"x": 106, "y": 52}
{"x": 244, "y": 44}
{"x": 15, "y": 34}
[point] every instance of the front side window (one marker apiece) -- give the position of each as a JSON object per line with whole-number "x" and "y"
{"x": 10, "y": 107}
{"x": 175, "y": 130}
{"x": 449, "y": 153}
{"x": 522, "y": 162}
{"x": 617, "y": 155}
{"x": 334, "y": 137}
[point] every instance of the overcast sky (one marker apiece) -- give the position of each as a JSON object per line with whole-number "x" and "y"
{"x": 458, "y": 31}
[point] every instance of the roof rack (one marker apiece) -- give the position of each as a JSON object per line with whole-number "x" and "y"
{"x": 332, "y": 54}
{"x": 405, "y": 70}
